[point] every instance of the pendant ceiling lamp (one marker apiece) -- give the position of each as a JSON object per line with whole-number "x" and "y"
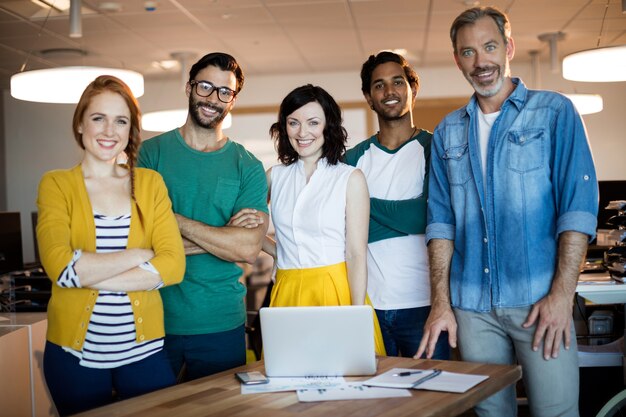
{"x": 607, "y": 64}
{"x": 596, "y": 65}
{"x": 587, "y": 103}
{"x": 584, "y": 103}
{"x": 66, "y": 84}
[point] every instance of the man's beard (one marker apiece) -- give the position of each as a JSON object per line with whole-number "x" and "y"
{"x": 391, "y": 115}
{"x": 492, "y": 89}
{"x": 194, "y": 112}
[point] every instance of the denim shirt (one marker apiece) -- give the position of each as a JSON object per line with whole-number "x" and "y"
{"x": 540, "y": 182}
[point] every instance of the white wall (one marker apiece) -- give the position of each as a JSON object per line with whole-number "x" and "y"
{"x": 38, "y": 136}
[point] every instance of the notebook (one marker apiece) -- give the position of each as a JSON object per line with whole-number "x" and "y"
{"x": 428, "y": 379}
{"x": 318, "y": 341}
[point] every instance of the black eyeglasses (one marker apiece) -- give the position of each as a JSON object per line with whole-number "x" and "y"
{"x": 205, "y": 89}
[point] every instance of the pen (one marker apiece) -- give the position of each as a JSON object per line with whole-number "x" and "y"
{"x": 407, "y": 373}
{"x": 427, "y": 377}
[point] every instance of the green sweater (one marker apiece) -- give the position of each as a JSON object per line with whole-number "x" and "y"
{"x": 208, "y": 187}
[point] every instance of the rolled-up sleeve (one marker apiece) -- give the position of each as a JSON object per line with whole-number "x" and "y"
{"x": 440, "y": 217}
{"x": 573, "y": 174}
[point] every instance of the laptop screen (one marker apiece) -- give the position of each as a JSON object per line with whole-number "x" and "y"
{"x": 318, "y": 341}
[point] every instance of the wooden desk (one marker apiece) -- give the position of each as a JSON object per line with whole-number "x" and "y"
{"x": 600, "y": 288}
{"x": 219, "y": 395}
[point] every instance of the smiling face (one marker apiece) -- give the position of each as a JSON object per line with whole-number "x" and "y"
{"x": 305, "y": 128}
{"x": 391, "y": 96}
{"x": 209, "y": 112}
{"x": 483, "y": 57}
{"x": 105, "y": 127}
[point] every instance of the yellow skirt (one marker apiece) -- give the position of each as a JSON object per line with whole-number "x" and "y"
{"x": 323, "y": 286}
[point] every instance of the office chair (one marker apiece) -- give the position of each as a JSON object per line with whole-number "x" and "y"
{"x": 253, "y": 328}
{"x": 615, "y": 407}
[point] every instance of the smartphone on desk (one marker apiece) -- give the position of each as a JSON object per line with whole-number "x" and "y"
{"x": 252, "y": 378}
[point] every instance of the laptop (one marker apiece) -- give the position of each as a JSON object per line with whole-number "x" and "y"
{"x": 318, "y": 341}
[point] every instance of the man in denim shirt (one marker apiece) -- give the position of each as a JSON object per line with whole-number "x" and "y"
{"x": 513, "y": 201}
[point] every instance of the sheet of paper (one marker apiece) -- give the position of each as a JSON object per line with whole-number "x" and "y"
{"x": 350, "y": 391}
{"x": 446, "y": 381}
{"x": 278, "y": 384}
{"x": 393, "y": 378}
{"x": 452, "y": 382}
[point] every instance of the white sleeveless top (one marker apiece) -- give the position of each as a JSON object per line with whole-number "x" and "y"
{"x": 310, "y": 219}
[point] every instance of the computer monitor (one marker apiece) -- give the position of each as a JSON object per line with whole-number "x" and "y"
{"x": 10, "y": 242}
{"x": 609, "y": 191}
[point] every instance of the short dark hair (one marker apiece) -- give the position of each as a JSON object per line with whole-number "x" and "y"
{"x": 335, "y": 135}
{"x": 221, "y": 60}
{"x": 381, "y": 58}
{"x": 470, "y": 16}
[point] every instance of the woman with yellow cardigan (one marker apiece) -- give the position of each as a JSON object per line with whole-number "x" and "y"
{"x": 108, "y": 240}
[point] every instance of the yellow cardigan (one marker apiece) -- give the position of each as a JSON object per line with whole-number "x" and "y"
{"x": 65, "y": 223}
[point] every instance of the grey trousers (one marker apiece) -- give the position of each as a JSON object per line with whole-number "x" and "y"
{"x": 498, "y": 337}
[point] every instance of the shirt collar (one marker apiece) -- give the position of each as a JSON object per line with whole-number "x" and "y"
{"x": 321, "y": 163}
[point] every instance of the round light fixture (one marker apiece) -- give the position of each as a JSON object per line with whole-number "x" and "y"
{"x": 587, "y": 103}
{"x": 66, "y": 84}
{"x": 596, "y": 65}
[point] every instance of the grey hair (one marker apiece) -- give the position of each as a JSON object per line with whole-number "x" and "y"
{"x": 470, "y": 16}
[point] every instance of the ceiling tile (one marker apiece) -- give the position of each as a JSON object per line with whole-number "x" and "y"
{"x": 282, "y": 36}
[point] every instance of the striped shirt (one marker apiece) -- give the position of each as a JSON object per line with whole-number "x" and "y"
{"x": 110, "y": 339}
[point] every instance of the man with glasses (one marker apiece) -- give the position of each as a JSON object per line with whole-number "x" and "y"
{"x": 219, "y": 193}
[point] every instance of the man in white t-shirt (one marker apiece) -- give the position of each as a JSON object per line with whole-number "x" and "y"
{"x": 395, "y": 162}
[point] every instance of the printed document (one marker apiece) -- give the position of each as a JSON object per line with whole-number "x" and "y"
{"x": 350, "y": 391}
{"x": 279, "y": 384}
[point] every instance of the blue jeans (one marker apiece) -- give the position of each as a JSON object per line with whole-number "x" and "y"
{"x": 75, "y": 388}
{"x": 403, "y": 330}
{"x": 206, "y": 354}
{"x": 498, "y": 337}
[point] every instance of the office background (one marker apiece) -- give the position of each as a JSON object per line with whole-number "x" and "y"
{"x": 283, "y": 44}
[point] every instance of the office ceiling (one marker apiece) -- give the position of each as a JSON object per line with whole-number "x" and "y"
{"x": 280, "y": 36}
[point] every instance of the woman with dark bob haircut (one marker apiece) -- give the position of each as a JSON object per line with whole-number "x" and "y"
{"x": 108, "y": 240}
{"x": 319, "y": 206}
{"x": 335, "y": 135}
